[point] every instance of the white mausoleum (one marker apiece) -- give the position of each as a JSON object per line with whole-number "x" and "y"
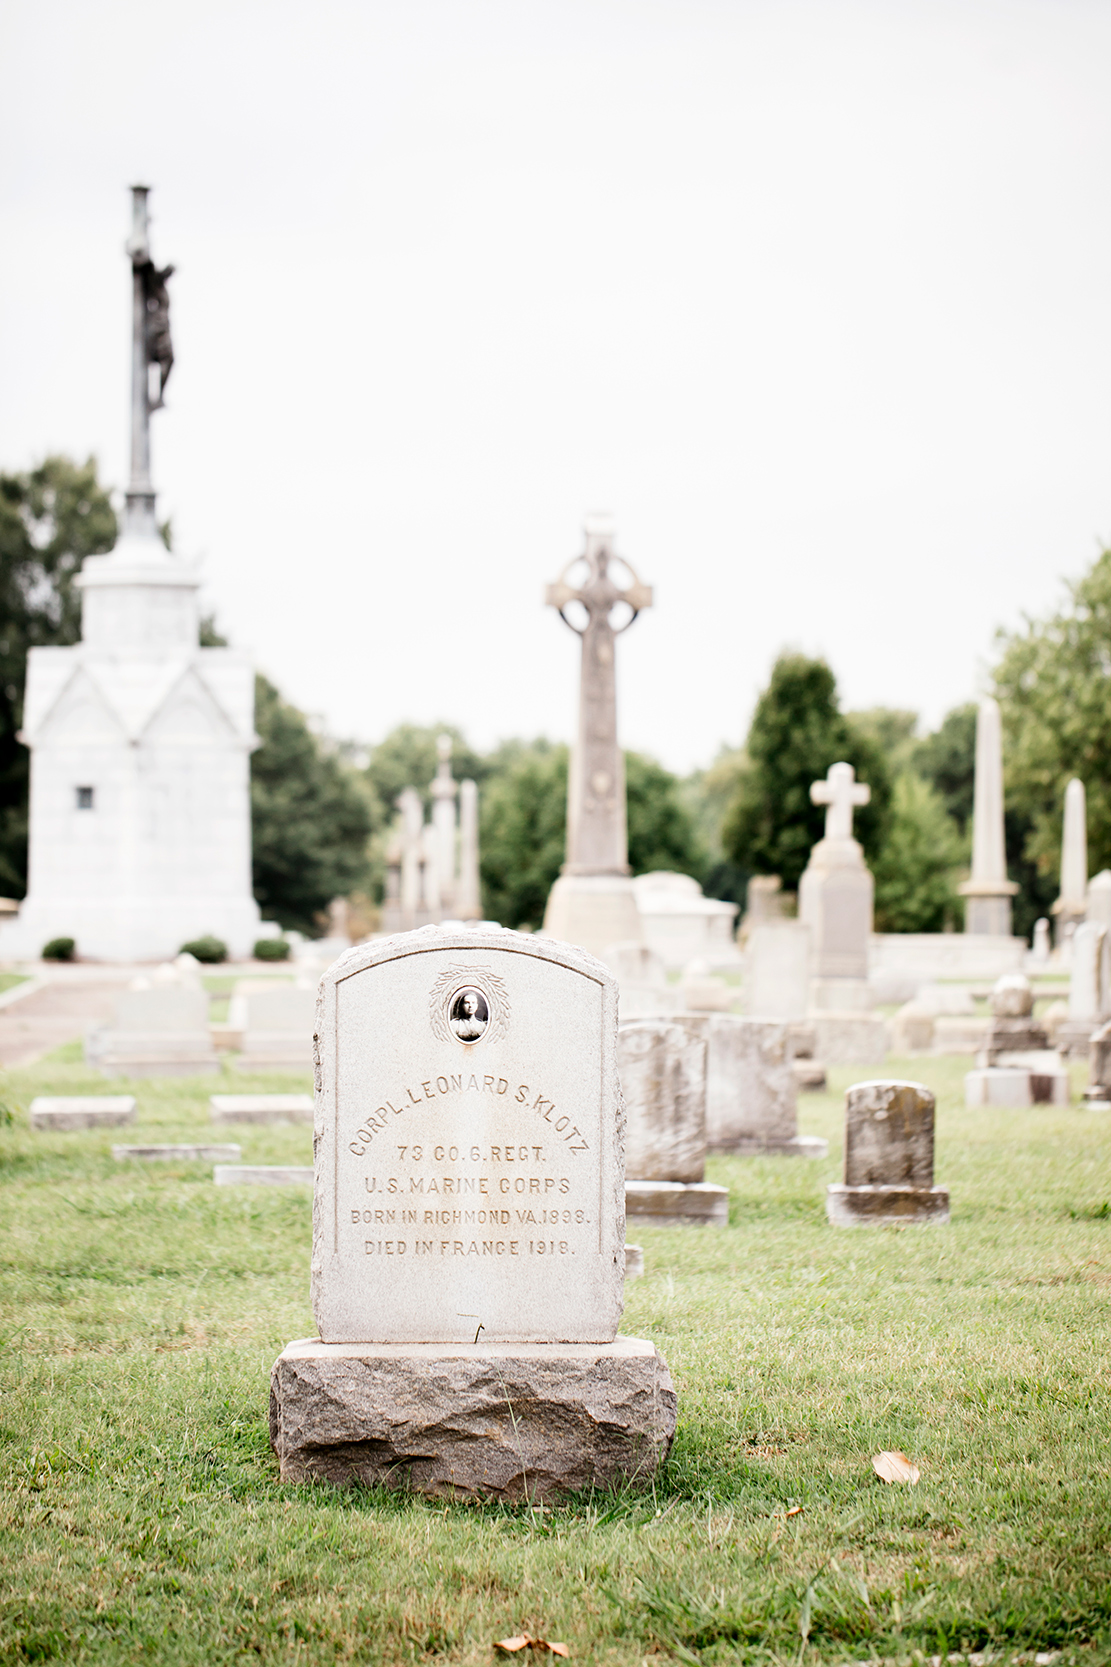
{"x": 140, "y": 827}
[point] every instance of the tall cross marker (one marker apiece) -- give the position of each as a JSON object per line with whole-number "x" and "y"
{"x": 840, "y": 791}
{"x": 597, "y": 839}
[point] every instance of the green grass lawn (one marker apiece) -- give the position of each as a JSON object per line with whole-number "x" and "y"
{"x": 8, "y": 980}
{"x": 141, "y": 1519}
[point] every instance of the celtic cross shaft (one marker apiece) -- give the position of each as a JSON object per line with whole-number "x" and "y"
{"x": 597, "y": 837}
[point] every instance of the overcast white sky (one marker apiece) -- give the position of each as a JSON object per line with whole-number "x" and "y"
{"x": 813, "y": 295}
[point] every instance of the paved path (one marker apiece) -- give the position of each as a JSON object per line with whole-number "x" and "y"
{"x": 61, "y": 1012}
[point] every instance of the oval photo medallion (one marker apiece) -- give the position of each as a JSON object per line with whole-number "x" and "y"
{"x": 468, "y": 1014}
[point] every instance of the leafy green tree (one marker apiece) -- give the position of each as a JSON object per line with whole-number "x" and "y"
{"x": 917, "y": 866}
{"x": 662, "y": 833}
{"x": 523, "y": 829}
{"x": 407, "y": 757}
{"x": 311, "y": 817}
{"x": 947, "y": 760}
{"x": 798, "y": 730}
{"x": 1053, "y": 683}
{"x": 51, "y": 518}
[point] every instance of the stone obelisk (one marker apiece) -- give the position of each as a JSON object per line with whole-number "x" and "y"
{"x": 988, "y": 891}
{"x": 140, "y": 824}
{"x": 1072, "y": 905}
{"x": 593, "y": 902}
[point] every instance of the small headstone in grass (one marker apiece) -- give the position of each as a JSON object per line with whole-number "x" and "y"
{"x": 751, "y": 1088}
{"x": 261, "y": 1108}
{"x": 889, "y": 1159}
{"x": 277, "y": 1025}
{"x": 262, "y": 1175}
{"x": 177, "y": 1154}
{"x": 159, "y": 1029}
{"x": 634, "y": 1261}
{"x": 468, "y": 1246}
{"x": 81, "y": 1111}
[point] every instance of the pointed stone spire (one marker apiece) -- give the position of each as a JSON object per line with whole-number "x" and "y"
{"x": 989, "y": 892}
{"x": 1072, "y": 905}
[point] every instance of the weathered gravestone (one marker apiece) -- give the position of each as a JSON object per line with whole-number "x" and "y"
{"x": 468, "y": 1235}
{"x": 81, "y": 1111}
{"x": 751, "y": 1087}
{"x": 889, "y": 1159}
{"x": 1098, "y": 1091}
{"x": 662, "y": 1066}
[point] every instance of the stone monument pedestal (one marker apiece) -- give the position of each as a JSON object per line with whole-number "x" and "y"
{"x": 480, "y": 1420}
{"x": 595, "y": 911}
{"x": 878, "y": 1206}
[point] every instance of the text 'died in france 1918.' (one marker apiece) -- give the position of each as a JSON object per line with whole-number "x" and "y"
{"x": 469, "y": 1168}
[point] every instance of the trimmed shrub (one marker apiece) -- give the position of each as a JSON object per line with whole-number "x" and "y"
{"x": 272, "y": 949}
{"x": 59, "y": 949}
{"x": 207, "y": 949}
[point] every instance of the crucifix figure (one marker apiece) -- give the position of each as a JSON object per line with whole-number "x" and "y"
{"x": 150, "y": 346}
{"x": 840, "y": 792}
{"x": 597, "y": 841}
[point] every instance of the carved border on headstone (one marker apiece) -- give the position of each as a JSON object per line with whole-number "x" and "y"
{"x": 455, "y": 979}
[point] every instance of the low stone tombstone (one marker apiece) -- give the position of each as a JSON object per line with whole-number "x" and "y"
{"x": 261, "y": 1108}
{"x": 468, "y": 1229}
{"x": 158, "y": 1029}
{"x": 81, "y": 1111}
{"x": 889, "y": 1159}
{"x": 751, "y": 1087}
{"x": 643, "y": 989}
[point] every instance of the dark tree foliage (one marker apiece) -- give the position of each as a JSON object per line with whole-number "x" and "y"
{"x": 947, "y": 760}
{"x": 523, "y": 830}
{"x": 1053, "y": 684}
{"x": 661, "y": 829}
{"x": 407, "y": 757}
{"x": 798, "y": 730}
{"x": 524, "y": 826}
{"x": 311, "y": 817}
{"x": 51, "y": 518}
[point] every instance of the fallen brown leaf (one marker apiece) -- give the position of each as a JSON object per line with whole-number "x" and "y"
{"x": 512, "y": 1645}
{"x": 895, "y": 1467}
{"x": 795, "y": 1509}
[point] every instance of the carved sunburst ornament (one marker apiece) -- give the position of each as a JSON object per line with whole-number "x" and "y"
{"x": 468, "y": 1005}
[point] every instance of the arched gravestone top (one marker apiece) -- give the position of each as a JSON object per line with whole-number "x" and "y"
{"x": 469, "y": 1142}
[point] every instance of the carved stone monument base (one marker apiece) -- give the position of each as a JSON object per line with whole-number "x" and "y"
{"x": 498, "y": 1421}
{"x": 594, "y": 911}
{"x": 677, "y": 1203}
{"x": 877, "y": 1206}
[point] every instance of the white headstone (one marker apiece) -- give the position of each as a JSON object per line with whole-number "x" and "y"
{"x": 157, "y": 1029}
{"x": 751, "y": 1090}
{"x": 470, "y": 1166}
{"x": 682, "y": 925}
{"x": 277, "y": 1026}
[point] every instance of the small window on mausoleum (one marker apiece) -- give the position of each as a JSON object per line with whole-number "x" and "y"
{"x": 84, "y": 798}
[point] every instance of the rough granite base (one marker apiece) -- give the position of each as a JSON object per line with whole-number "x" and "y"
{"x": 498, "y": 1421}
{"x": 877, "y": 1206}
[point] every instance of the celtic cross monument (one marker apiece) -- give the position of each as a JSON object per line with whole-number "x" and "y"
{"x": 593, "y": 902}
